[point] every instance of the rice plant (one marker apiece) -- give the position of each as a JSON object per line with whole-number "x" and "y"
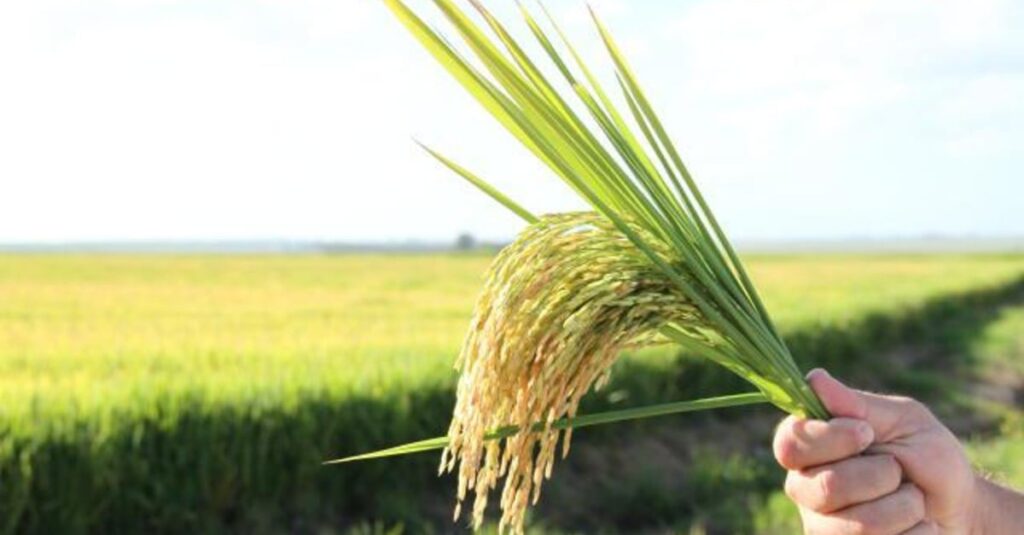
{"x": 649, "y": 264}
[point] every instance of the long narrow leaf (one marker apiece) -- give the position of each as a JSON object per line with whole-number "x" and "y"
{"x": 600, "y": 418}
{"x": 482, "y": 185}
{"x": 775, "y": 347}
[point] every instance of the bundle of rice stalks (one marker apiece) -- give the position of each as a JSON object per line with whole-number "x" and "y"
{"x": 649, "y": 264}
{"x": 557, "y": 308}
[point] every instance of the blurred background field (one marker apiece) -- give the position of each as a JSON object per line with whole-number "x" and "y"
{"x": 200, "y": 392}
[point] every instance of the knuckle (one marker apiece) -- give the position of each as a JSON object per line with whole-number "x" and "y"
{"x": 914, "y": 503}
{"x": 866, "y": 526}
{"x": 851, "y": 438}
{"x": 902, "y": 400}
{"x": 786, "y": 450}
{"x": 920, "y": 409}
{"x": 912, "y": 406}
{"x": 792, "y": 486}
{"x": 828, "y": 488}
{"x": 782, "y": 452}
{"x": 894, "y": 469}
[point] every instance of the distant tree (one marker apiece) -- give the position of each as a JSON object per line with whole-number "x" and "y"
{"x": 465, "y": 242}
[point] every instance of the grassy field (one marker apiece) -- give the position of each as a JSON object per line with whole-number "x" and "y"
{"x": 199, "y": 392}
{"x": 96, "y": 329}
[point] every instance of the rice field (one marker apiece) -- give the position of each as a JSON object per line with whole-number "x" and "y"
{"x": 93, "y": 329}
{"x": 90, "y": 344}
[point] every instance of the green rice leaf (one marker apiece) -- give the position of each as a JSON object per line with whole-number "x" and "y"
{"x": 483, "y": 186}
{"x": 600, "y": 418}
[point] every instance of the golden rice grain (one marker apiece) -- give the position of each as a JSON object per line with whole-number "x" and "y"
{"x": 558, "y": 306}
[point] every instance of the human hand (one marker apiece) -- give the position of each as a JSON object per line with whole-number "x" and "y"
{"x": 884, "y": 465}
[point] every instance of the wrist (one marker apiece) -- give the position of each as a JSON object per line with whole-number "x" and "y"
{"x": 981, "y": 505}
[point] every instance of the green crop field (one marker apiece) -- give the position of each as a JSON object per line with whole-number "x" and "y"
{"x": 200, "y": 392}
{"x": 94, "y": 329}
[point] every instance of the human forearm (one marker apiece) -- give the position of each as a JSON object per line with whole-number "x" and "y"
{"x": 997, "y": 510}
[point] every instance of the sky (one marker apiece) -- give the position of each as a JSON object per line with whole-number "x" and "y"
{"x": 293, "y": 120}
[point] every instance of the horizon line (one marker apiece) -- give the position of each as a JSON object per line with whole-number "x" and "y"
{"x": 895, "y": 244}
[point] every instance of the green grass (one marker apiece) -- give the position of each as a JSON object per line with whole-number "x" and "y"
{"x": 200, "y": 392}
{"x": 999, "y": 360}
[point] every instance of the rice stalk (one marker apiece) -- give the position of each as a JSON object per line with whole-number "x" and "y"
{"x": 650, "y": 263}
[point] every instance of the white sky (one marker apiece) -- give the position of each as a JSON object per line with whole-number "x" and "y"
{"x": 127, "y": 119}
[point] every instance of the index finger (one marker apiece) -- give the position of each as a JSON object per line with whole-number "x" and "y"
{"x": 803, "y": 443}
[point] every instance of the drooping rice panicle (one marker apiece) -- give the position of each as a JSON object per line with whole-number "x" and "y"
{"x": 559, "y": 304}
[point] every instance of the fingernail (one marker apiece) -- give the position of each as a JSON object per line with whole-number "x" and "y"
{"x": 865, "y": 435}
{"x": 817, "y": 371}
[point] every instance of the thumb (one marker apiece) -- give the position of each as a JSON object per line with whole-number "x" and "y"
{"x": 883, "y": 413}
{"x": 839, "y": 399}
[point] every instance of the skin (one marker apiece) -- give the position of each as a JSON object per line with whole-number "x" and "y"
{"x": 884, "y": 465}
